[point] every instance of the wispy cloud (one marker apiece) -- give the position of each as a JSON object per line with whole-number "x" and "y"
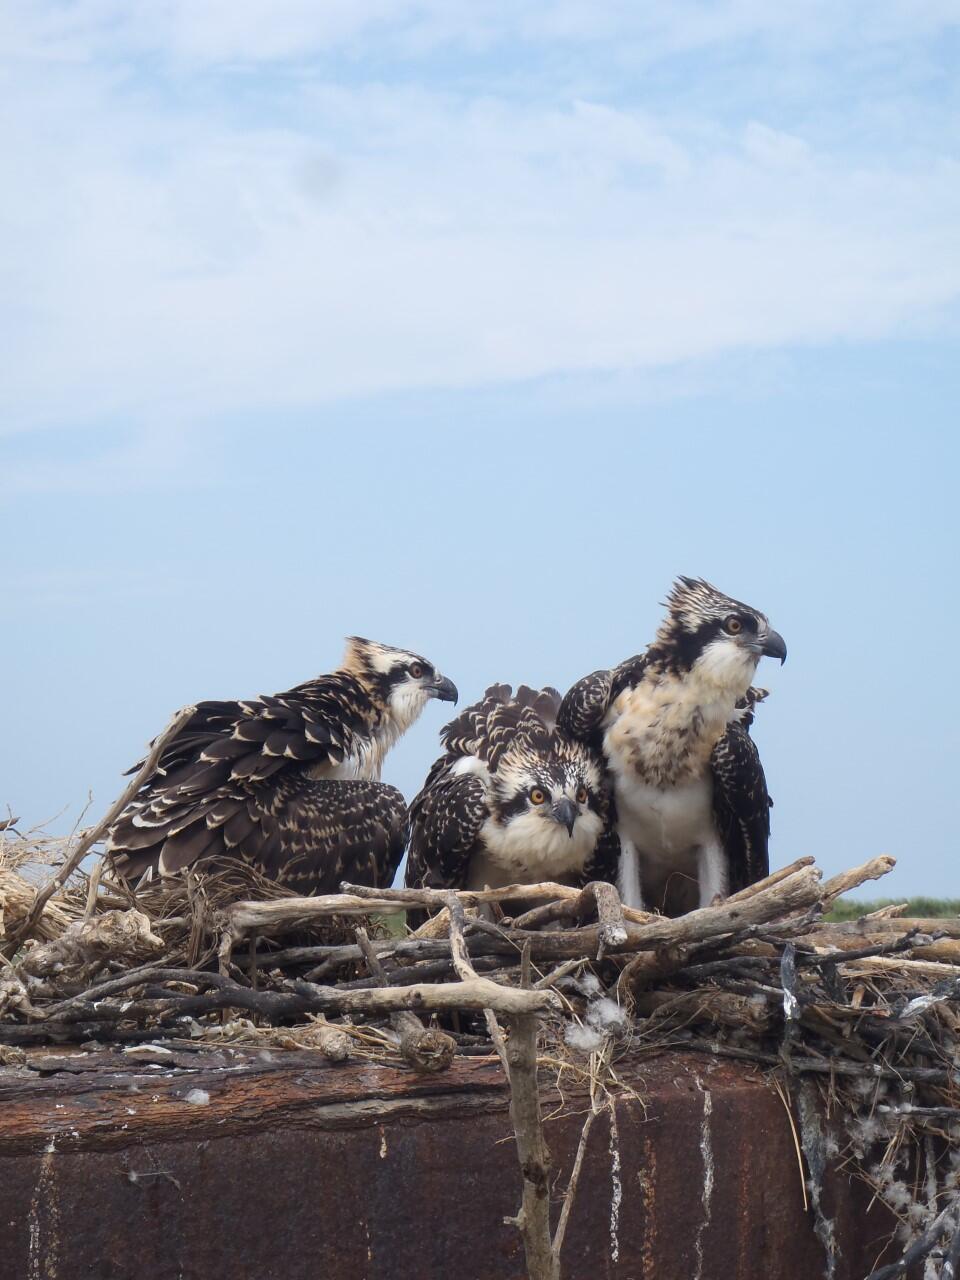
{"x": 258, "y": 31}
{"x": 218, "y": 206}
{"x": 135, "y": 456}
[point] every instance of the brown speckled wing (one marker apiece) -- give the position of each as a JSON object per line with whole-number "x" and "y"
{"x": 741, "y": 807}
{"x": 306, "y": 834}
{"x": 233, "y": 783}
{"x": 445, "y": 821}
{"x": 583, "y": 707}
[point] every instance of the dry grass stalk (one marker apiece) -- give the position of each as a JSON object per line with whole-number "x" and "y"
{"x": 17, "y": 896}
{"x": 95, "y": 833}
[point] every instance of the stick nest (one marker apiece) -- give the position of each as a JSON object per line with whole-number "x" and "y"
{"x": 857, "y": 1023}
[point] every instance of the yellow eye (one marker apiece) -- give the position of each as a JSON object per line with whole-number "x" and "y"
{"x": 538, "y": 796}
{"x": 733, "y": 626}
{"x": 582, "y": 796}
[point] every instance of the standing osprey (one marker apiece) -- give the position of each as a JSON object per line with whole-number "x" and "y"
{"x": 289, "y": 784}
{"x": 691, "y": 797}
{"x": 513, "y": 800}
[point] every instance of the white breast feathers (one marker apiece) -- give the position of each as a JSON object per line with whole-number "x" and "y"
{"x": 532, "y": 848}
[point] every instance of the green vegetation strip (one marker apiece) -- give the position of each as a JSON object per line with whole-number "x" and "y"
{"x": 854, "y": 908}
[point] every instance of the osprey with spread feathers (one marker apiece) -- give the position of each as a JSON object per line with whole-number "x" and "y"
{"x": 289, "y": 784}
{"x": 672, "y": 724}
{"x": 513, "y": 800}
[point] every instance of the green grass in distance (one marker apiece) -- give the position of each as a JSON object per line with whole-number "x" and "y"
{"x": 854, "y": 908}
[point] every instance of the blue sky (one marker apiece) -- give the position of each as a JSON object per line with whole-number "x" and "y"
{"x": 468, "y": 327}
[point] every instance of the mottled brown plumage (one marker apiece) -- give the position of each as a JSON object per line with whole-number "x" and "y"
{"x": 513, "y": 798}
{"x": 289, "y": 784}
{"x": 673, "y": 726}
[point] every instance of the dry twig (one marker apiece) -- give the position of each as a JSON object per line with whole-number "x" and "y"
{"x": 97, "y": 832}
{"x": 533, "y": 1220}
{"x": 427, "y": 1049}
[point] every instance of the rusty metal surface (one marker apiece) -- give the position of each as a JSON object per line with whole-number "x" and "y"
{"x": 280, "y": 1166}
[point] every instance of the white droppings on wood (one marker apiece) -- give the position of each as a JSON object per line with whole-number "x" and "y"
{"x": 383, "y": 1144}
{"x": 43, "y": 1221}
{"x": 198, "y": 1097}
{"x": 616, "y": 1191}
{"x": 709, "y": 1174}
{"x": 811, "y": 1139}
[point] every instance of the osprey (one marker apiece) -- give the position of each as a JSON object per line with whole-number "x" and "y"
{"x": 513, "y": 800}
{"x": 289, "y": 784}
{"x": 673, "y": 725}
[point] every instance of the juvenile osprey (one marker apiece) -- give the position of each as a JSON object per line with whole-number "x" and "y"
{"x": 691, "y": 797}
{"x": 513, "y": 800}
{"x": 290, "y": 784}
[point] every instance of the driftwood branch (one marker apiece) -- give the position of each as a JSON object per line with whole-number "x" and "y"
{"x": 598, "y": 898}
{"x": 782, "y": 892}
{"x": 783, "y": 897}
{"x": 465, "y": 970}
{"x": 435, "y": 899}
{"x": 835, "y": 1066}
{"x": 427, "y": 1049}
{"x": 869, "y": 926}
{"x": 426, "y": 971}
{"x": 533, "y": 1220}
{"x": 848, "y": 880}
{"x": 648, "y": 967}
{"x": 97, "y": 832}
{"x": 299, "y": 997}
{"x": 774, "y": 878}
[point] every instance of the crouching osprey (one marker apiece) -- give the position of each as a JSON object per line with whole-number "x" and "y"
{"x": 288, "y": 784}
{"x": 513, "y": 800}
{"x": 673, "y": 725}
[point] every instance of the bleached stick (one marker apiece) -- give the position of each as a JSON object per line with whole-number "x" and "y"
{"x": 436, "y": 898}
{"x": 466, "y": 972}
{"x": 848, "y": 880}
{"x": 799, "y": 890}
{"x": 533, "y": 1220}
{"x": 598, "y": 895}
{"x": 774, "y": 878}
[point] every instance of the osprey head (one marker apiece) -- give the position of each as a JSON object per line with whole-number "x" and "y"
{"x": 556, "y": 792}
{"x": 718, "y": 636}
{"x": 402, "y": 681}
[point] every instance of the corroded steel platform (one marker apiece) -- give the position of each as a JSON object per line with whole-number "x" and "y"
{"x": 275, "y": 1165}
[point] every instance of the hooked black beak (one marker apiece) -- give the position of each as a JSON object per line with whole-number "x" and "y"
{"x": 443, "y": 689}
{"x": 566, "y": 813}
{"x": 774, "y": 647}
